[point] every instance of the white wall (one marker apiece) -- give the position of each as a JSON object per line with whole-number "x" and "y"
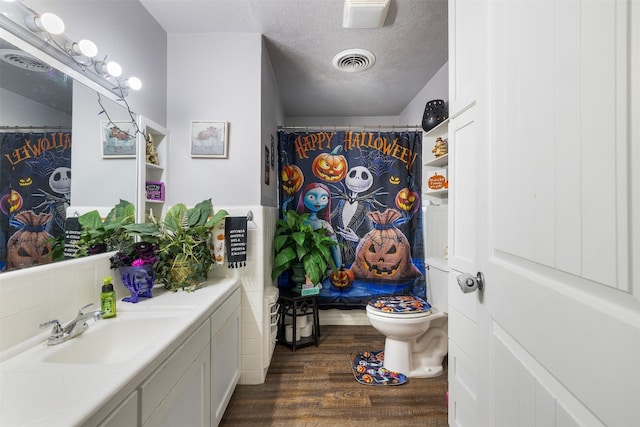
{"x": 436, "y": 88}
{"x": 13, "y": 106}
{"x": 272, "y": 115}
{"x": 216, "y": 78}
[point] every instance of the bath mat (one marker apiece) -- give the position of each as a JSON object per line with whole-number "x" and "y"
{"x": 368, "y": 370}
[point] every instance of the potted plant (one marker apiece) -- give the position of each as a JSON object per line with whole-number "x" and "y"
{"x": 135, "y": 262}
{"x": 298, "y": 246}
{"x": 97, "y": 235}
{"x": 184, "y": 258}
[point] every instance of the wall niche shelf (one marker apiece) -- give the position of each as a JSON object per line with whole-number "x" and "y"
{"x": 432, "y": 164}
{"x": 149, "y": 171}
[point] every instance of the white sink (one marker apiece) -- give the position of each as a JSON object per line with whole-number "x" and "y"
{"x": 110, "y": 341}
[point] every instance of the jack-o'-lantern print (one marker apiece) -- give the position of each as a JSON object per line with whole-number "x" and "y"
{"x": 330, "y": 167}
{"x": 291, "y": 178}
{"x": 408, "y": 200}
{"x": 342, "y": 279}
{"x": 384, "y": 252}
{"x": 31, "y": 245}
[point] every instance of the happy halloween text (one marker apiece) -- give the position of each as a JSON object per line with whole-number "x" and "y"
{"x": 29, "y": 149}
{"x": 355, "y": 140}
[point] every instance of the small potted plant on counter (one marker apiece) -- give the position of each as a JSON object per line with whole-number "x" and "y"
{"x": 135, "y": 263}
{"x": 184, "y": 258}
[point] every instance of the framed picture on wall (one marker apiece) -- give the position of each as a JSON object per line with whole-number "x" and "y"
{"x": 118, "y": 139}
{"x": 209, "y": 139}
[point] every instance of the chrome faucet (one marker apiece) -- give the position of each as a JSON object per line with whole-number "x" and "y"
{"x": 60, "y": 334}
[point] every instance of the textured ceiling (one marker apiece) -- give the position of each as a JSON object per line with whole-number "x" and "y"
{"x": 303, "y": 36}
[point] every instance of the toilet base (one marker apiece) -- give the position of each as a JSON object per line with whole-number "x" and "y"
{"x": 398, "y": 357}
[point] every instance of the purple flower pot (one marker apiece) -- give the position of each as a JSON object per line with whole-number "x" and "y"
{"x": 138, "y": 280}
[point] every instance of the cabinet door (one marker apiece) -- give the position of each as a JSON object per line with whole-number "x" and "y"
{"x": 225, "y": 363}
{"x": 187, "y": 404}
{"x": 172, "y": 385}
{"x": 126, "y": 414}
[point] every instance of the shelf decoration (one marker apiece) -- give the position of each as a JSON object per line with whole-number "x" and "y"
{"x": 441, "y": 147}
{"x": 151, "y": 150}
{"x": 437, "y": 180}
{"x": 154, "y": 191}
{"x": 209, "y": 139}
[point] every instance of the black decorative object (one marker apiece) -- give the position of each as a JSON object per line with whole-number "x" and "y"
{"x": 435, "y": 112}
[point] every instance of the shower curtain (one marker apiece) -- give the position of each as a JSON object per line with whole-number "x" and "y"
{"x": 365, "y": 188}
{"x": 35, "y": 185}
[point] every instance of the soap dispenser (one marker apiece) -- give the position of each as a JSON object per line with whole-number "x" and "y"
{"x": 107, "y": 299}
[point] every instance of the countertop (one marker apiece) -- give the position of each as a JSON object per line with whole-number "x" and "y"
{"x": 38, "y": 393}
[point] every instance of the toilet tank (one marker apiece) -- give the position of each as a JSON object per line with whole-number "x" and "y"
{"x": 437, "y": 286}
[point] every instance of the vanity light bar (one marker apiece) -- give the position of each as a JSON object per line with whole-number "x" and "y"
{"x": 50, "y": 28}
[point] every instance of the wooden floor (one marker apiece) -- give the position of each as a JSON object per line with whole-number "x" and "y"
{"x": 315, "y": 387}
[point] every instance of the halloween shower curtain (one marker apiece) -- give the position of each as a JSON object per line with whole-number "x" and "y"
{"x": 365, "y": 188}
{"x": 35, "y": 185}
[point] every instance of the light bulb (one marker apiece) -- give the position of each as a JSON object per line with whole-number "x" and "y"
{"x": 46, "y": 22}
{"x": 82, "y": 48}
{"x": 88, "y": 48}
{"x": 114, "y": 69}
{"x": 111, "y": 68}
{"x": 133, "y": 83}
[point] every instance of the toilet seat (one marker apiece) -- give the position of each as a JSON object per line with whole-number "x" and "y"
{"x": 399, "y": 306}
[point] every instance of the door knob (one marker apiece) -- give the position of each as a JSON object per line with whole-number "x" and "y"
{"x": 468, "y": 283}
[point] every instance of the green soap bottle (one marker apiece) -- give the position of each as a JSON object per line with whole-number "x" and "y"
{"x": 107, "y": 299}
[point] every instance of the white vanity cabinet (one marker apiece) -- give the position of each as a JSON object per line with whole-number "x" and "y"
{"x": 192, "y": 386}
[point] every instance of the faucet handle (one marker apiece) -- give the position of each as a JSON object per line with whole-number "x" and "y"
{"x": 81, "y": 311}
{"x": 57, "y": 327}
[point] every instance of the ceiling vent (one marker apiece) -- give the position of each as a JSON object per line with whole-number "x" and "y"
{"x": 353, "y": 60}
{"x": 23, "y": 60}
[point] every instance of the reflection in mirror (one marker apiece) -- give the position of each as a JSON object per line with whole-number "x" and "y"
{"x": 41, "y": 113}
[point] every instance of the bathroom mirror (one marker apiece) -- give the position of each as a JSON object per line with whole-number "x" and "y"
{"x": 52, "y": 129}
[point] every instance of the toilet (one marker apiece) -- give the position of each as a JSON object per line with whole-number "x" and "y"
{"x": 416, "y": 334}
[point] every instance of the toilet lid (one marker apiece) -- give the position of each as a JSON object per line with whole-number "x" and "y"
{"x": 400, "y": 304}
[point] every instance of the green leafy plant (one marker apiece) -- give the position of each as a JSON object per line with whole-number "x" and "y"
{"x": 184, "y": 258}
{"x": 295, "y": 241}
{"x": 99, "y": 235}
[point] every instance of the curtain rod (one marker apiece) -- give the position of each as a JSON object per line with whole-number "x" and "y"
{"x": 349, "y": 127}
{"x": 36, "y": 127}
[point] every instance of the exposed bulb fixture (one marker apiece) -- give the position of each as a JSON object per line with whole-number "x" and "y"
{"x": 110, "y": 68}
{"x": 46, "y": 22}
{"x": 133, "y": 83}
{"x": 83, "y": 48}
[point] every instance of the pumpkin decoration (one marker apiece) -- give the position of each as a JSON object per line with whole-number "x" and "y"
{"x": 291, "y": 178}
{"x": 31, "y": 245}
{"x": 342, "y": 279}
{"x": 408, "y": 200}
{"x": 384, "y": 252}
{"x": 437, "y": 182}
{"x": 330, "y": 167}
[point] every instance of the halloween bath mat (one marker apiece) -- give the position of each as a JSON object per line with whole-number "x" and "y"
{"x": 367, "y": 369}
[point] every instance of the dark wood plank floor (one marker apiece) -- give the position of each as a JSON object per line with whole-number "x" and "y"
{"x": 315, "y": 387}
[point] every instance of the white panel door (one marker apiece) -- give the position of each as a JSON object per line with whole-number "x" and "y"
{"x": 559, "y": 319}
